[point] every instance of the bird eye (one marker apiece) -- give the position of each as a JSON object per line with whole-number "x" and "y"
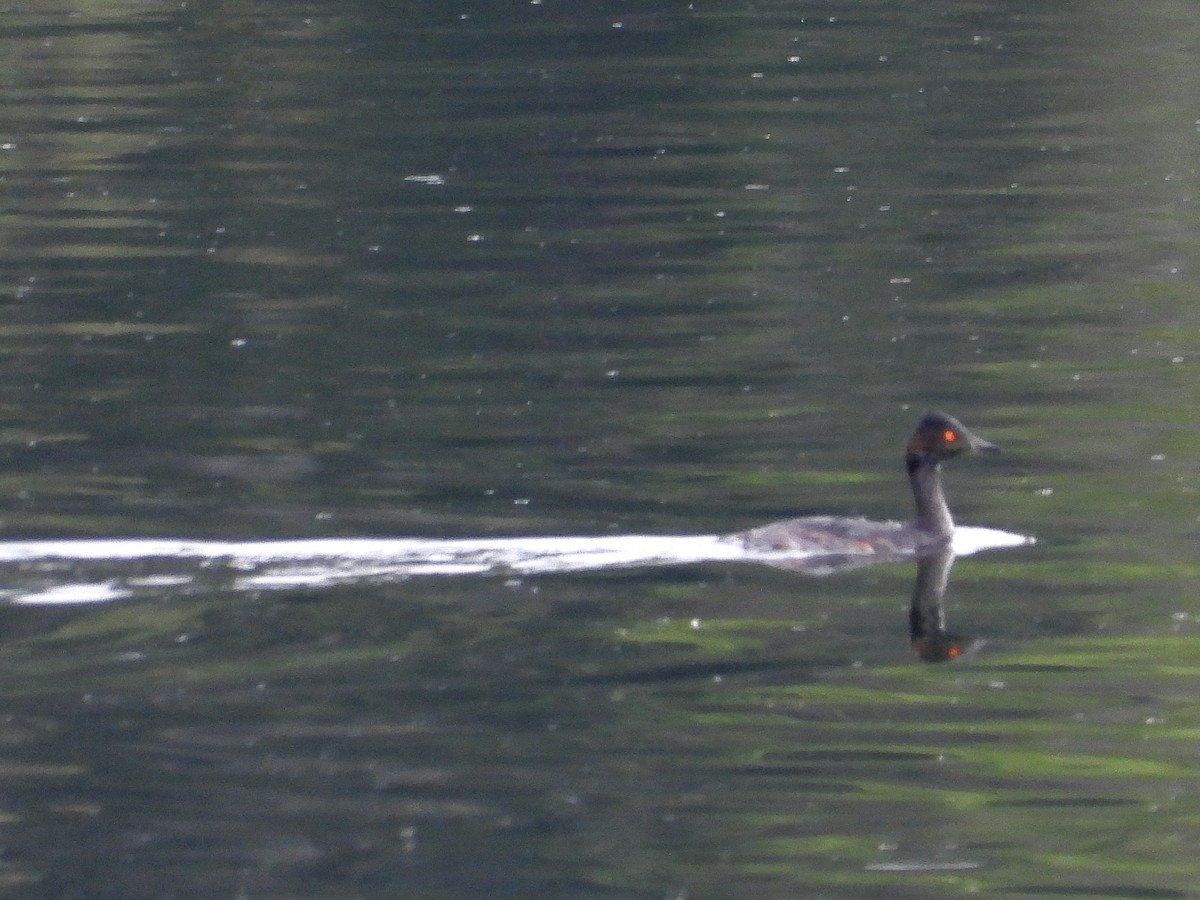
{"x": 949, "y": 436}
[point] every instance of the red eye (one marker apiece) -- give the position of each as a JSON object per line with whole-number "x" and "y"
{"x": 949, "y": 436}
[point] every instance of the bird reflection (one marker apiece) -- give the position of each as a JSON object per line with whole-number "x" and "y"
{"x": 926, "y": 615}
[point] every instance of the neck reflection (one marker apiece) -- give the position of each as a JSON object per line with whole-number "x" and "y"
{"x": 927, "y": 615}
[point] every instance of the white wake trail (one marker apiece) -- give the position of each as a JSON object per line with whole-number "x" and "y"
{"x": 266, "y": 565}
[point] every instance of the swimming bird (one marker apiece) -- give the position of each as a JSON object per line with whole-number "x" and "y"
{"x": 937, "y": 438}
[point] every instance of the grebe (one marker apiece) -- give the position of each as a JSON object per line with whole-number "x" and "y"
{"x": 938, "y": 437}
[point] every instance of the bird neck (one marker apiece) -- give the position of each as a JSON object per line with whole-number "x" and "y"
{"x": 933, "y": 515}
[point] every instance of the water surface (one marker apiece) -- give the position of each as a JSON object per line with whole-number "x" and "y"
{"x": 489, "y": 271}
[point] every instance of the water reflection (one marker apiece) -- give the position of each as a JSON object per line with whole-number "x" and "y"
{"x": 927, "y": 615}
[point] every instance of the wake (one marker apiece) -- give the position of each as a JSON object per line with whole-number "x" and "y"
{"x": 92, "y": 571}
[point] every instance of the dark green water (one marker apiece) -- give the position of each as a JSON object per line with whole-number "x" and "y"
{"x": 273, "y": 270}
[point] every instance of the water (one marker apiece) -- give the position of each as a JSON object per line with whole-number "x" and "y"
{"x": 507, "y": 271}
